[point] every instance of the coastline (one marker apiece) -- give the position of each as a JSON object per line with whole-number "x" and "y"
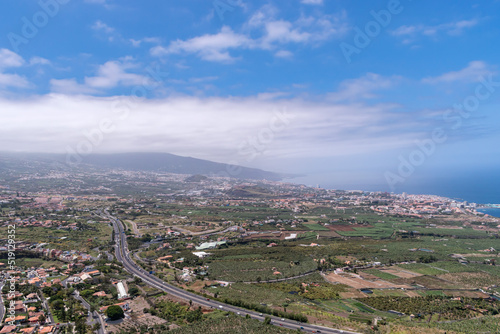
{"x": 494, "y": 212}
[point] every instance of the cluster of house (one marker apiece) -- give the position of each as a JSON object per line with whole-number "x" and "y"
{"x": 38, "y": 277}
{"x": 83, "y": 276}
{"x": 28, "y": 315}
{"x": 33, "y": 222}
{"x": 28, "y": 330}
{"x": 23, "y": 316}
{"x": 40, "y": 248}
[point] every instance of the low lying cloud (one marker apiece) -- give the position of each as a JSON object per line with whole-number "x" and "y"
{"x": 211, "y": 128}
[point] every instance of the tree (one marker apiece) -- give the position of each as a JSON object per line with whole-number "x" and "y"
{"x": 192, "y": 316}
{"x": 267, "y": 320}
{"x": 114, "y": 312}
{"x": 57, "y": 304}
{"x": 133, "y": 291}
{"x": 80, "y": 326}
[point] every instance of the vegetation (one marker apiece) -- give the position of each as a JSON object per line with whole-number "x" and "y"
{"x": 114, "y": 312}
{"x": 448, "y": 308}
{"x": 228, "y": 325}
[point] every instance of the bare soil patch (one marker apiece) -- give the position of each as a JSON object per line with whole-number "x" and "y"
{"x": 358, "y": 282}
{"x": 396, "y": 271}
{"x": 137, "y": 317}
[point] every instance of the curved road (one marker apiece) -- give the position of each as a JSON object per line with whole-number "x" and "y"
{"x": 93, "y": 317}
{"x": 122, "y": 255}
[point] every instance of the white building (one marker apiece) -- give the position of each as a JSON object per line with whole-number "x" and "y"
{"x": 121, "y": 290}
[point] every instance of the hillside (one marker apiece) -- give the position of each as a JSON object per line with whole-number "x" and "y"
{"x": 151, "y": 162}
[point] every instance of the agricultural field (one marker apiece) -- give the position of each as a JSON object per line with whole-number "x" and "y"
{"x": 227, "y": 325}
{"x": 377, "y": 231}
{"x": 446, "y": 308}
{"x": 316, "y": 227}
{"x": 488, "y": 324}
{"x": 357, "y": 282}
{"x": 38, "y": 262}
{"x": 85, "y": 239}
{"x": 249, "y": 270}
{"x": 380, "y": 274}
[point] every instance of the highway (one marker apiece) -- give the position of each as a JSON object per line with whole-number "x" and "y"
{"x": 122, "y": 255}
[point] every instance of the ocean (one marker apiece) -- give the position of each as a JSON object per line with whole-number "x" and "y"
{"x": 492, "y": 212}
{"x": 479, "y": 187}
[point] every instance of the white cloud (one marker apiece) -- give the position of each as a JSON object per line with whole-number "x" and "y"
{"x": 282, "y": 32}
{"x": 212, "y": 128}
{"x": 104, "y": 29}
{"x": 13, "y": 80}
{"x": 283, "y": 54}
{"x": 101, "y": 26}
{"x": 112, "y": 74}
{"x": 208, "y": 47}
{"x": 362, "y": 88}
{"x": 104, "y": 3}
{"x": 306, "y": 29}
{"x": 39, "y": 61}
{"x": 262, "y": 31}
{"x": 474, "y": 71}
{"x": 137, "y": 42}
{"x": 312, "y": 2}
{"x": 109, "y": 75}
{"x": 10, "y": 59}
{"x": 70, "y": 86}
{"x": 410, "y": 32}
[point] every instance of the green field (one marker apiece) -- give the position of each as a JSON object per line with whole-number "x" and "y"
{"x": 97, "y": 234}
{"x": 316, "y": 227}
{"x": 381, "y": 274}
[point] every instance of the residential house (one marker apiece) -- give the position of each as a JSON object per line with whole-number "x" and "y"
{"x": 46, "y": 330}
{"x": 28, "y": 330}
{"x": 8, "y": 329}
{"x": 99, "y": 294}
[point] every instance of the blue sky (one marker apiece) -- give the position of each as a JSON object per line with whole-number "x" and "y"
{"x": 373, "y": 94}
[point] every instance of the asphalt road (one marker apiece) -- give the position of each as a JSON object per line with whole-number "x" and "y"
{"x": 94, "y": 317}
{"x": 122, "y": 255}
{"x": 46, "y": 306}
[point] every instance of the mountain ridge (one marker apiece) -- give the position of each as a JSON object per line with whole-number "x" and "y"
{"x": 160, "y": 162}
